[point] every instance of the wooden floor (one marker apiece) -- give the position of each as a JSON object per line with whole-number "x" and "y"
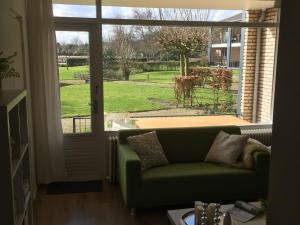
{"x": 189, "y": 121}
{"x": 105, "y": 208}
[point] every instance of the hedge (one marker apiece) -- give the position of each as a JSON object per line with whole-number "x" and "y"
{"x": 77, "y": 62}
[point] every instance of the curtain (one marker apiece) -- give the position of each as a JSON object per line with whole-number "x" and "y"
{"x": 47, "y": 128}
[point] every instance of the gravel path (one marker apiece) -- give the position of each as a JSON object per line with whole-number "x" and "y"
{"x": 156, "y": 113}
{"x": 145, "y": 83}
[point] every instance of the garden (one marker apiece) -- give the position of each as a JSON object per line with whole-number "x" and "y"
{"x": 146, "y": 91}
{"x": 148, "y": 71}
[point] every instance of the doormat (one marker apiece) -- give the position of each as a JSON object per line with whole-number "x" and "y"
{"x": 74, "y": 187}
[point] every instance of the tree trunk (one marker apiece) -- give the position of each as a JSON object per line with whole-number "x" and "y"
{"x": 187, "y": 64}
{"x": 126, "y": 76}
{"x": 126, "y": 73}
{"x": 182, "y": 71}
{"x": 67, "y": 62}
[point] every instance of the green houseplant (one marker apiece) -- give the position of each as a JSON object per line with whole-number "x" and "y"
{"x": 6, "y": 71}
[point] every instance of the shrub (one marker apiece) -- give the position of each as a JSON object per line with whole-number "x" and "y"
{"x": 157, "y": 66}
{"x": 77, "y": 61}
{"x": 185, "y": 88}
{"x": 217, "y": 79}
{"x": 112, "y": 75}
{"x": 83, "y": 75}
{"x": 220, "y": 78}
{"x": 202, "y": 72}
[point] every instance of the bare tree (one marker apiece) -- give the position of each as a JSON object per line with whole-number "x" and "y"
{"x": 184, "y": 41}
{"x": 146, "y": 34}
{"x": 180, "y": 40}
{"x": 123, "y": 45}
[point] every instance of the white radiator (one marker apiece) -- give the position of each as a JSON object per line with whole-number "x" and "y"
{"x": 112, "y": 159}
{"x": 260, "y": 133}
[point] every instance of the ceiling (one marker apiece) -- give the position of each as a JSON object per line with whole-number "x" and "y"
{"x": 204, "y": 4}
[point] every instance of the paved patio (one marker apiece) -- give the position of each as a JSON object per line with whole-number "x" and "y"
{"x": 157, "y": 122}
{"x": 188, "y": 121}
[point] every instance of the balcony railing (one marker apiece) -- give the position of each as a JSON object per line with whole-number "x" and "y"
{"x": 81, "y": 124}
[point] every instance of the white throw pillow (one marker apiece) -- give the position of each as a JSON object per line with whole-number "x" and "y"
{"x": 246, "y": 158}
{"x": 226, "y": 148}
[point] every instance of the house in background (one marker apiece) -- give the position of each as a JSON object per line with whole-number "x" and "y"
{"x": 225, "y": 44}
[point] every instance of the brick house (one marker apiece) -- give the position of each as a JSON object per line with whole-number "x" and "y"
{"x": 257, "y": 68}
{"x": 253, "y": 51}
{"x": 225, "y": 44}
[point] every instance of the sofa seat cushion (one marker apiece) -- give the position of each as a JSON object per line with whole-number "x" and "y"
{"x": 185, "y": 170}
{"x": 188, "y": 182}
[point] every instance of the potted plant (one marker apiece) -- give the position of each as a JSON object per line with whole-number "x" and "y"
{"x": 6, "y": 71}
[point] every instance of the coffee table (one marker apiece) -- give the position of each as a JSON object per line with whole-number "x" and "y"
{"x": 175, "y": 216}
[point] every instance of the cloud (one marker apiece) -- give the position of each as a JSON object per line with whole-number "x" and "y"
{"x": 84, "y": 11}
{"x": 117, "y": 12}
{"x": 68, "y": 36}
{"x": 88, "y": 11}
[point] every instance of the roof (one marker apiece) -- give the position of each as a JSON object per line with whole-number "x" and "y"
{"x": 234, "y": 18}
{"x": 204, "y": 4}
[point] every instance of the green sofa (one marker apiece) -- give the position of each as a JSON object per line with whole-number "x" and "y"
{"x": 187, "y": 178}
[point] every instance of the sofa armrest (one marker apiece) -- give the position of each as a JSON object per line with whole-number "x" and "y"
{"x": 262, "y": 166}
{"x": 261, "y": 162}
{"x": 129, "y": 171}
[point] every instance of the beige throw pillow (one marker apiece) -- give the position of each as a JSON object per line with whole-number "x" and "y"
{"x": 246, "y": 158}
{"x": 226, "y": 148}
{"x": 149, "y": 150}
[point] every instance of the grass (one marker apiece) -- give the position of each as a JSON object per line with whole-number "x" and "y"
{"x": 156, "y": 77}
{"x": 168, "y": 76}
{"x": 153, "y": 77}
{"x": 68, "y": 74}
{"x": 125, "y": 97}
{"x": 75, "y": 100}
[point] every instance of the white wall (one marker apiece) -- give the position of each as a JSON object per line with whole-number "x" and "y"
{"x": 12, "y": 40}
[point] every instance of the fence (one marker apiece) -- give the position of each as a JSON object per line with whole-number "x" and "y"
{"x": 81, "y": 124}
{"x": 164, "y": 65}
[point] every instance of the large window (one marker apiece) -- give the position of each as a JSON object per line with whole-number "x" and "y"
{"x": 189, "y": 63}
{"x": 167, "y": 14}
{"x": 165, "y": 71}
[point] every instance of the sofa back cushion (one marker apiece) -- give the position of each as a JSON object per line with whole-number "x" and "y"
{"x": 183, "y": 144}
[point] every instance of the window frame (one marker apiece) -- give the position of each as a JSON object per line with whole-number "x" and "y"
{"x": 98, "y": 22}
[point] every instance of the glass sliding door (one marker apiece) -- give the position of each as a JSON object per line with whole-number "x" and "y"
{"x": 73, "y": 50}
{"x": 80, "y": 99}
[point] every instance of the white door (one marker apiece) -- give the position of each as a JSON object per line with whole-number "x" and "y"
{"x": 81, "y": 100}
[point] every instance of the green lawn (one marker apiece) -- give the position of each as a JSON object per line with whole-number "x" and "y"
{"x": 124, "y": 97}
{"x": 75, "y": 100}
{"x": 68, "y": 74}
{"x": 168, "y": 76}
{"x": 156, "y": 77}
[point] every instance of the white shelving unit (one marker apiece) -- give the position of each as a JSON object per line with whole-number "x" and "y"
{"x": 15, "y": 195}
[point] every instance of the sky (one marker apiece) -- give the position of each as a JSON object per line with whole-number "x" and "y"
{"x": 87, "y": 11}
